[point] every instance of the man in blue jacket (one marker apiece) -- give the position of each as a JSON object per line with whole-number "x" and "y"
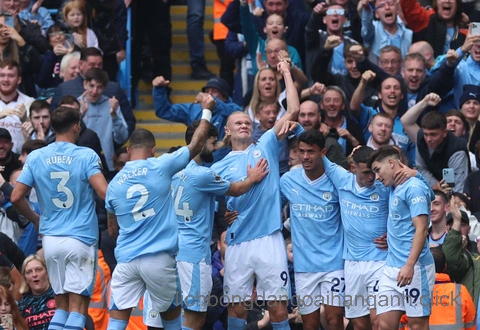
{"x": 188, "y": 112}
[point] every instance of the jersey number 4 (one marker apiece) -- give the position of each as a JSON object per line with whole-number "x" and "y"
{"x": 137, "y": 212}
{"x": 64, "y": 176}
{"x": 185, "y": 212}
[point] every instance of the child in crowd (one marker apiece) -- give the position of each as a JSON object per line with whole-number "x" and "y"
{"x": 75, "y": 15}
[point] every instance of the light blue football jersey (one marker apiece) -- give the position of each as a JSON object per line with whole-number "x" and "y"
{"x": 260, "y": 208}
{"x": 60, "y": 173}
{"x": 140, "y": 195}
{"x": 364, "y": 212}
{"x": 195, "y": 189}
{"x": 407, "y": 201}
{"x": 317, "y": 233}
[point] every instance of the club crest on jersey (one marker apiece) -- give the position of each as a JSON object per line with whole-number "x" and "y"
{"x": 217, "y": 177}
{"x": 395, "y": 201}
{"x": 257, "y": 153}
{"x": 153, "y": 315}
{"x": 226, "y": 289}
{"x": 327, "y": 196}
{"x": 374, "y": 197}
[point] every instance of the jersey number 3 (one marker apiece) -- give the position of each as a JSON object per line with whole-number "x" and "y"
{"x": 64, "y": 176}
{"x": 137, "y": 212}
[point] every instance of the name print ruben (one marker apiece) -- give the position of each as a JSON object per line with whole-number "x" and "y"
{"x": 59, "y": 160}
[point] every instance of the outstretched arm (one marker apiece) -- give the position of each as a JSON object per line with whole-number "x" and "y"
{"x": 359, "y": 94}
{"x": 293, "y": 103}
{"x": 200, "y": 135}
{"x": 409, "y": 119}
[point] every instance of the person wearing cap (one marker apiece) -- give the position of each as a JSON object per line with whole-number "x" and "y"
{"x": 187, "y": 113}
{"x": 470, "y": 107}
{"x": 462, "y": 266}
{"x": 8, "y": 159}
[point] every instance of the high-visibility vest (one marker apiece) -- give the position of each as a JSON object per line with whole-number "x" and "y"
{"x": 220, "y": 31}
{"x": 136, "y": 318}
{"x": 98, "y": 307}
{"x": 452, "y": 306}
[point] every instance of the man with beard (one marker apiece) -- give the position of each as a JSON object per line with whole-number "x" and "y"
{"x": 309, "y": 117}
{"x": 13, "y": 103}
{"x": 195, "y": 189}
{"x": 381, "y": 128}
{"x": 415, "y": 82}
{"x": 346, "y": 130}
{"x": 391, "y": 95}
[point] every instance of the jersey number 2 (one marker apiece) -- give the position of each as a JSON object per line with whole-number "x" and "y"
{"x": 64, "y": 176}
{"x": 137, "y": 212}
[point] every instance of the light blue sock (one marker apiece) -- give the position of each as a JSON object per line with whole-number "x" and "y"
{"x": 174, "y": 324}
{"x": 58, "y": 320}
{"x": 281, "y": 325}
{"x": 76, "y": 321}
{"x": 115, "y": 324}
{"x": 236, "y": 323}
{"x": 186, "y": 328}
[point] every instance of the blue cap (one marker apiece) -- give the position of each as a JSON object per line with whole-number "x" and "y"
{"x": 219, "y": 84}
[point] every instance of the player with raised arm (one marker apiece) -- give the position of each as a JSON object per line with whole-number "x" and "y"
{"x": 409, "y": 273}
{"x": 141, "y": 216}
{"x": 195, "y": 189}
{"x": 256, "y": 249}
{"x": 65, "y": 177}
{"x": 317, "y": 235}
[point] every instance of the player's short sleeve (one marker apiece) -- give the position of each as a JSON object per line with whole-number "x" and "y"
{"x": 26, "y": 175}
{"x": 108, "y": 200}
{"x": 93, "y": 165}
{"x": 418, "y": 199}
{"x": 283, "y": 187}
{"x": 210, "y": 182}
{"x": 176, "y": 161}
{"x": 270, "y": 144}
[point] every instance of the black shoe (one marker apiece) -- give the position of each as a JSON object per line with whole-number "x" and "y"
{"x": 201, "y": 73}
